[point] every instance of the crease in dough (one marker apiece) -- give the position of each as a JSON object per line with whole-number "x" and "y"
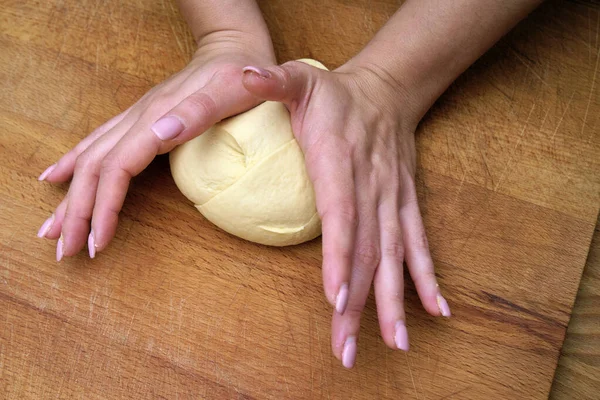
{"x": 289, "y": 229}
{"x": 248, "y": 171}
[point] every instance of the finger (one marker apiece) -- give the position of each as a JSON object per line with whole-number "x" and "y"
{"x": 418, "y": 258}
{"x": 291, "y": 83}
{"x": 82, "y": 191}
{"x": 219, "y": 99}
{"x": 52, "y": 227}
{"x": 389, "y": 280}
{"x": 76, "y": 224}
{"x": 63, "y": 169}
{"x": 333, "y": 182}
{"x": 191, "y": 117}
{"x": 366, "y": 258}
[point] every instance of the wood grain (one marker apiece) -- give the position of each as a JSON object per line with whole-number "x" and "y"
{"x": 578, "y": 372}
{"x": 508, "y": 180}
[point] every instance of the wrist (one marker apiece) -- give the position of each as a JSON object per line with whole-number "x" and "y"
{"x": 427, "y": 45}
{"x": 391, "y": 94}
{"x": 228, "y": 25}
{"x": 254, "y": 46}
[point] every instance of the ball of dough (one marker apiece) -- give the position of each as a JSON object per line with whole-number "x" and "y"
{"x": 247, "y": 175}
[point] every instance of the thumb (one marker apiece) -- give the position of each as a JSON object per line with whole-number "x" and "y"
{"x": 199, "y": 111}
{"x": 290, "y": 83}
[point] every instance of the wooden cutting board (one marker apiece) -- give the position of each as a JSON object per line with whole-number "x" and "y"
{"x": 508, "y": 179}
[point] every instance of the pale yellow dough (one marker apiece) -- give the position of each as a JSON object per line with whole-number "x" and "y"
{"x": 247, "y": 175}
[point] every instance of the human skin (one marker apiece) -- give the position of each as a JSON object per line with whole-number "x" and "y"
{"x": 229, "y": 34}
{"x": 355, "y": 126}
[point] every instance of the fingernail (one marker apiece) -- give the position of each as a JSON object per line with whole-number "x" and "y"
{"x": 401, "y": 336}
{"x": 341, "y": 300}
{"x": 91, "y": 244}
{"x": 443, "y": 306}
{"x": 59, "y": 248}
{"x": 263, "y": 73}
{"x": 47, "y": 172}
{"x": 46, "y": 226}
{"x": 167, "y": 128}
{"x": 349, "y": 353}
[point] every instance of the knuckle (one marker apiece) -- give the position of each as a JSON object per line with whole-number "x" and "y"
{"x": 393, "y": 247}
{"x": 76, "y": 216}
{"x": 344, "y": 210}
{"x": 408, "y": 200}
{"x": 288, "y": 69}
{"x": 335, "y": 257}
{"x": 347, "y": 211}
{"x": 367, "y": 255}
{"x": 394, "y": 250}
{"x": 156, "y": 104}
{"x": 85, "y": 161}
{"x": 355, "y": 309}
{"x": 202, "y": 102}
{"x": 155, "y": 107}
{"x": 229, "y": 71}
{"x": 425, "y": 276}
{"x": 81, "y": 147}
{"x": 380, "y": 161}
{"x": 151, "y": 94}
{"x": 420, "y": 242}
{"x": 295, "y": 68}
{"x": 110, "y": 163}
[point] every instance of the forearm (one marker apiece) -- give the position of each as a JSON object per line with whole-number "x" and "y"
{"x": 215, "y": 21}
{"x": 427, "y": 44}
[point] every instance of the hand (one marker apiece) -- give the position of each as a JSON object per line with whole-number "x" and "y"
{"x": 359, "y": 146}
{"x": 101, "y": 166}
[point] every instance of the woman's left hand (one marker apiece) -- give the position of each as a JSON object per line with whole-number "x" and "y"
{"x": 207, "y": 90}
{"x": 357, "y": 133}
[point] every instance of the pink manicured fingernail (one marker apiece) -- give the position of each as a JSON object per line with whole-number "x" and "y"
{"x": 47, "y": 172}
{"x": 341, "y": 300}
{"x": 46, "y": 226}
{"x": 443, "y": 306}
{"x": 59, "y": 248}
{"x": 91, "y": 244}
{"x": 167, "y": 128}
{"x": 401, "y": 336}
{"x": 263, "y": 73}
{"x": 349, "y": 353}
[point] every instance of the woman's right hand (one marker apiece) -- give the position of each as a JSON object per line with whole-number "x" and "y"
{"x": 206, "y": 91}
